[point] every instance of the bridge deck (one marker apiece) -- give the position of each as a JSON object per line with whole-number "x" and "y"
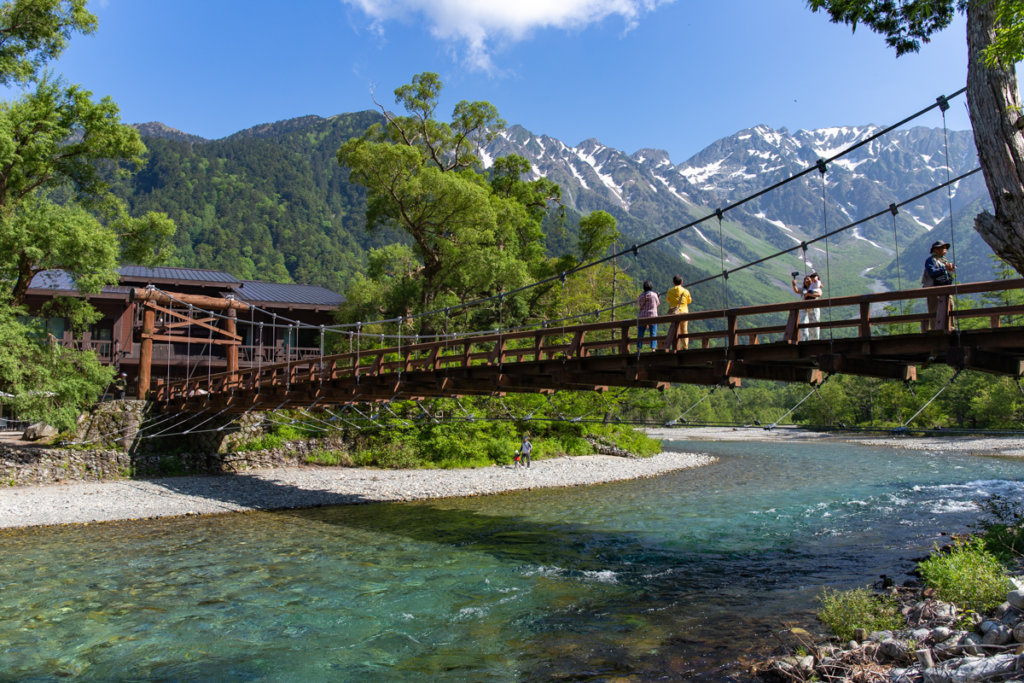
{"x": 763, "y": 342}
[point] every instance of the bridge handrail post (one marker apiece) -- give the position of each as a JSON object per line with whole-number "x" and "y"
{"x": 865, "y": 319}
{"x": 672, "y": 337}
{"x": 731, "y": 319}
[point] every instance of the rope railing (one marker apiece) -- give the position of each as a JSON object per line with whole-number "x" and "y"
{"x": 504, "y": 349}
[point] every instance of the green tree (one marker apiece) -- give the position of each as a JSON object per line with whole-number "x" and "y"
{"x": 995, "y": 43}
{"x": 48, "y": 382}
{"x": 32, "y": 32}
{"x": 59, "y": 151}
{"x": 57, "y": 142}
{"x": 472, "y": 234}
{"x": 597, "y": 233}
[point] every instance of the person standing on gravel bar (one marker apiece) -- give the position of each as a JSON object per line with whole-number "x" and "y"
{"x": 525, "y": 448}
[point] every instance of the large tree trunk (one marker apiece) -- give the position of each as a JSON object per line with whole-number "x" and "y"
{"x": 994, "y": 104}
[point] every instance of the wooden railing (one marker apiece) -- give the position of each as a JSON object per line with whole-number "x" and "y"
{"x": 847, "y": 317}
{"x": 104, "y": 350}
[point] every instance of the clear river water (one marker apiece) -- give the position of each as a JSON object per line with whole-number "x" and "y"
{"x": 680, "y": 577}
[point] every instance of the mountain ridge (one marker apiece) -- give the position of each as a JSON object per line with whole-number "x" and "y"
{"x": 246, "y": 199}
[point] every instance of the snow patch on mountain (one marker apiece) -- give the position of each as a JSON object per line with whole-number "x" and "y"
{"x": 700, "y": 174}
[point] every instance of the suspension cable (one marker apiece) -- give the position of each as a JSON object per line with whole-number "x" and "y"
{"x": 903, "y": 427}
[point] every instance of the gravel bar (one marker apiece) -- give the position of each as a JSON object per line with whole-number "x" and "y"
{"x": 1007, "y": 446}
{"x": 297, "y": 487}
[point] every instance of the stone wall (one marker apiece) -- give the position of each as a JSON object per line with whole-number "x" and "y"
{"x": 133, "y": 426}
{"x": 113, "y": 424}
{"x": 23, "y": 465}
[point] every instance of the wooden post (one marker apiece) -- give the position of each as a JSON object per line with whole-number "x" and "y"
{"x": 232, "y": 349}
{"x": 792, "y": 333}
{"x": 731, "y": 335}
{"x": 146, "y": 351}
{"x": 865, "y": 319}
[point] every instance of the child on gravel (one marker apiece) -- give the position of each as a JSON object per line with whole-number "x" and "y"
{"x": 523, "y": 454}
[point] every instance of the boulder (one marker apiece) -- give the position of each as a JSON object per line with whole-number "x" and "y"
{"x": 970, "y": 644}
{"x": 1016, "y": 598}
{"x": 39, "y": 430}
{"x": 893, "y": 650}
{"x": 920, "y": 635}
{"x": 997, "y": 667}
{"x": 999, "y": 635}
{"x": 951, "y": 646}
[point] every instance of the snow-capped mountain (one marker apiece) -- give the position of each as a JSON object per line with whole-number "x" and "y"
{"x": 650, "y": 195}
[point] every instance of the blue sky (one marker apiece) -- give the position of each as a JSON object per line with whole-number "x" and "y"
{"x": 670, "y": 74}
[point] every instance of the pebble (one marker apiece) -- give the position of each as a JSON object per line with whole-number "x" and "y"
{"x": 297, "y": 487}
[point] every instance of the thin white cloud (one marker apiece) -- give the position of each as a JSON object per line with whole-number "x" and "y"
{"x": 480, "y": 24}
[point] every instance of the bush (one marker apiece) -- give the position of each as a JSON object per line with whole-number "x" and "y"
{"x": 396, "y": 455}
{"x": 845, "y": 611}
{"x": 330, "y": 458}
{"x": 968, "y": 576}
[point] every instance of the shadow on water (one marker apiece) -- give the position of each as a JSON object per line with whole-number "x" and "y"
{"x": 659, "y": 581}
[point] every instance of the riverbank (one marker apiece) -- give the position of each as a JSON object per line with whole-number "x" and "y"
{"x": 1010, "y": 446}
{"x": 297, "y": 487}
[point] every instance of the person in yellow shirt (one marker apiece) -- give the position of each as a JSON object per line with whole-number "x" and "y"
{"x": 679, "y": 301}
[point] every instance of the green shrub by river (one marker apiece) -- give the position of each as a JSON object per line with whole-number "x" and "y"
{"x": 457, "y": 433}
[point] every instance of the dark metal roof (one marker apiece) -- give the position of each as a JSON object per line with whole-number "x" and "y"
{"x": 53, "y": 279}
{"x": 254, "y": 291}
{"x": 61, "y": 281}
{"x": 196, "y": 275}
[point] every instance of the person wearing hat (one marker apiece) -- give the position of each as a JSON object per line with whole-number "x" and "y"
{"x": 811, "y": 290}
{"x": 937, "y": 272}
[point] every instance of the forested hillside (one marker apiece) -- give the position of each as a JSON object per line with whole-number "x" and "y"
{"x": 267, "y": 203}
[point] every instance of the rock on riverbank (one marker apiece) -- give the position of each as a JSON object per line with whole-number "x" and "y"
{"x": 294, "y": 487}
{"x": 939, "y": 645}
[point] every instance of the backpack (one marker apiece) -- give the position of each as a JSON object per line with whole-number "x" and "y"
{"x": 928, "y": 281}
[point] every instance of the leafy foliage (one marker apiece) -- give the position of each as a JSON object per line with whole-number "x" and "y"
{"x": 845, "y": 611}
{"x": 968, "y": 576}
{"x": 470, "y": 234}
{"x": 269, "y": 203}
{"x": 449, "y": 433}
{"x": 904, "y": 23}
{"x": 32, "y": 32}
{"x": 59, "y": 151}
{"x": 1007, "y": 47}
{"x": 48, "y": 382}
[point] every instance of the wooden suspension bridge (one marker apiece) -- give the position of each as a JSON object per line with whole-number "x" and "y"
{"x": 759, "y": 342}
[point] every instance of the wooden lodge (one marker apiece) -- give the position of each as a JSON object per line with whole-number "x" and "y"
{"x": 183, "y": 343}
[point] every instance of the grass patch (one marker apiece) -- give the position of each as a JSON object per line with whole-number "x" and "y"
{"x": 276, "y": 437}
{"x": 967, "y": 575}
{"x": 329, "y": 458}
{"x": 845, "y": 611}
